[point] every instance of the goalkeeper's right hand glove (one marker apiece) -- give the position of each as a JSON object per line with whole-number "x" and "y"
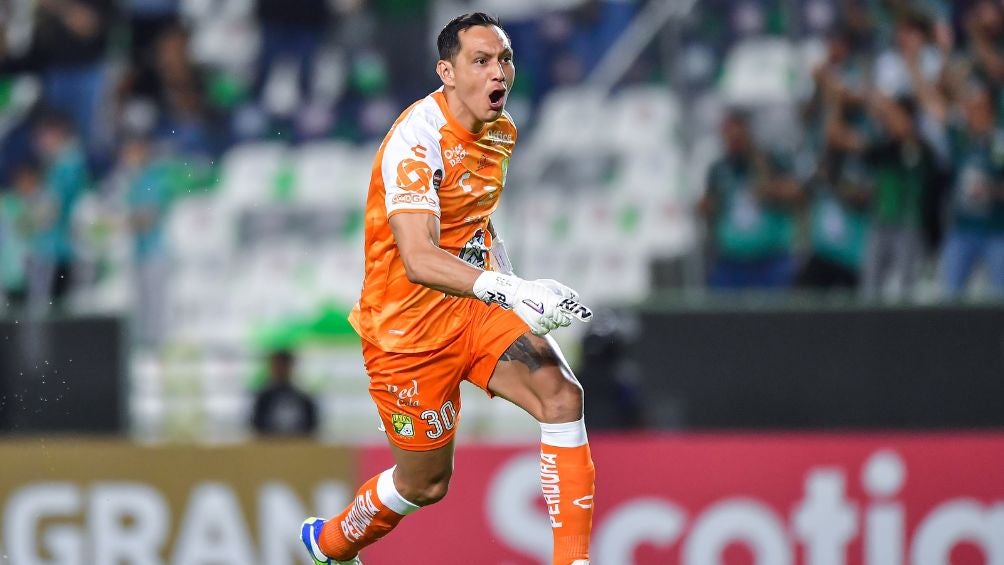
{"x": 570, "y": 304}
{"x": 534, "y": 302}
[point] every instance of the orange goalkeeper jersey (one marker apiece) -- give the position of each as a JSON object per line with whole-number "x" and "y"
{"x": 428, "y": 164}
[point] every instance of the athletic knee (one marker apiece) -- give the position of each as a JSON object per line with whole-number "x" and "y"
{"x": 565, "y": 405}
{"x": 424, "y": 491}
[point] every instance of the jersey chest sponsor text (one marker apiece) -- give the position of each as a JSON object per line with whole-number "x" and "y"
{"x": 472, "y": 184}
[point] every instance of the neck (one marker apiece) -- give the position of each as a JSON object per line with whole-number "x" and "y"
{"x": 461, "y": 113}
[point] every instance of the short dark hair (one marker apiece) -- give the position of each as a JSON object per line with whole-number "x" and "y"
{"x": 28, "y": 165}
{"x": 449, "y": 39}
{"x": 737, "y": 115}
{"x": 916, "y": 21}
{"x": 52, "y": 118}
{"x": 844, "y": 34}
{"x": 908, "y": 105}
{"x": 284, "y": 356}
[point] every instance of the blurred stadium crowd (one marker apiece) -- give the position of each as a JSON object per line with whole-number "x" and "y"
{"x": 201, "y": 164}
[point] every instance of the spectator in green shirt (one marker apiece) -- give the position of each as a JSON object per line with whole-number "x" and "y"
{"x": 838, "y": 222}
{"x": 31, "y": 213}
{"x": 146, "y": 180}
{"x": 749, "y": 203}
{"x": 24, "y": 210}
{"x": 904, "y": 173}
{"x": 65, "y": 179}
{"x": 977, "y": 196}
{"x": 839, "y": 188}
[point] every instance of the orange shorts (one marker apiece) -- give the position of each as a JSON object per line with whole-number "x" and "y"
{"x": 418, "y": 394}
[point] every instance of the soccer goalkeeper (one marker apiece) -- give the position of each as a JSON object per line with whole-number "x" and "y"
{"x": 433, "y": 312}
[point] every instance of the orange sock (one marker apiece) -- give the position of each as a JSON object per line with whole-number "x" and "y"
{"x": 566, "y": 478}
{"x": 375, "y": 511}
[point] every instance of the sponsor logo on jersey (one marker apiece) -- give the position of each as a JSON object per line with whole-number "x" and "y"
{"x": 412, "y": 198}
{"x": 474, "y": 250}
{"x": 414, "y": 176}
{"x": 496, "y": 137}
{"x": 437, "y": 179}
{"x": 403, "y": 425}
{"x": 455, "y": 155}
{"x": 488, "y": 198}
{"x": 463, "y": 184}
{"x": 483, "y": 162}
{"x": 406, "y": 396}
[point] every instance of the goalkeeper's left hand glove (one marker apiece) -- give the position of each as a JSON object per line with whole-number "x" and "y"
{"x": 570, "y": 304}
{"x": 535, "y": 303}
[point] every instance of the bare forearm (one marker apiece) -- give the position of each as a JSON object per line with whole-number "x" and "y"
{"x": 438, "y": 269}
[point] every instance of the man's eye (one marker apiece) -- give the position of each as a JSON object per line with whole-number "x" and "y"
{"x": 507, "y": 59}
{"x": 481, "y": 61}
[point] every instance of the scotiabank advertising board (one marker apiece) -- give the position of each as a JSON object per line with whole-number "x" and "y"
{"x": 727, "y": 500}
{"x": 687, "y": 500}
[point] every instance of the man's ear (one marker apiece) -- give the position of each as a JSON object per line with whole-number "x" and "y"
{"x": 445, "y": 71}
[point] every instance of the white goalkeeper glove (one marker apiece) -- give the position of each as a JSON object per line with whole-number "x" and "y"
{"x": 541, "y": 304}
{"x": 558, "y": 288}
{"x": 570, "y": 304}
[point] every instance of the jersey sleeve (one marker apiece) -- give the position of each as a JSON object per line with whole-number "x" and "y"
{"x": 412, "y": 168}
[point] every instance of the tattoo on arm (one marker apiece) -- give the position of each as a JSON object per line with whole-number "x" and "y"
{"x": 523, "y": 351}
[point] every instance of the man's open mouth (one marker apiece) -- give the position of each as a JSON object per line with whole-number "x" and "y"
{"x": 496, "y": 98}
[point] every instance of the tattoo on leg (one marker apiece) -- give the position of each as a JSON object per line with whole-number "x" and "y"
{"x": 523, "y": 351}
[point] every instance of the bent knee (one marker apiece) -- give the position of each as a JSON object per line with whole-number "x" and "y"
{"x": 565, "y": 405}
{"x": 424, "y": 492}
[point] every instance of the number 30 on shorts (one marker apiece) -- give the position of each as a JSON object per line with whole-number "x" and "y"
{"x": 442, "y": 421}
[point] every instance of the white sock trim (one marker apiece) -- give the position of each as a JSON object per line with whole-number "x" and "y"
{"x": 568, "y": 434}
{"x": 387, "y": 493}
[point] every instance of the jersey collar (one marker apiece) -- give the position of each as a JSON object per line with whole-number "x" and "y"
{"x": 455, "y": 126}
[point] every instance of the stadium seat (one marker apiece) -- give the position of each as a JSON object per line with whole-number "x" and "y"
{"x": 539, "y": 248}
{"x": 332, "y": 173}
{"x": 199, "y": 228}
{"x": 760, "y": 71}
{"x": 224, "y": 33}
{"x": 631, "y": 265}
{"x": 352, "y": 418}
{"x": 250, "y": 174}
{"x": 641, "y": 116}
{"x": 703, "y": 152}
{"x": 340, "y": 273}
{"x": 320, "y": 167}
{"x": 651, "y": 171}
{"x": 570, "y": 118}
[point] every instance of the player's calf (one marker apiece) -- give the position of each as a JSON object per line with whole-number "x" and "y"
{"x": 423, "y": 477}
{"x": 376, "y": 510}
{"x": 563, "y": 405}
{"x": 424, "y": 492}
{"x": 567, "y": 476}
